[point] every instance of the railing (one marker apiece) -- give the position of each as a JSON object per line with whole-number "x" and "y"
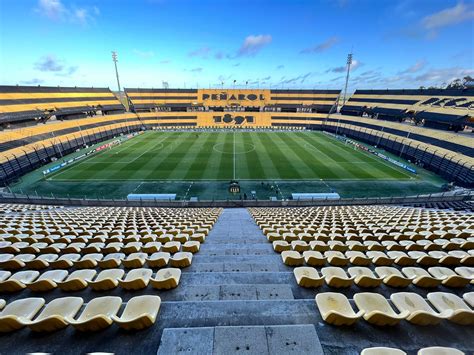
{"x": 432, "y": 198}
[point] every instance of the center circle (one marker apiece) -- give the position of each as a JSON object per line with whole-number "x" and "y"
{"x": 239, "y": 148}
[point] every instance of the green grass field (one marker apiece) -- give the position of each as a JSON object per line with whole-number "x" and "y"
{"x": 202, "y": 163}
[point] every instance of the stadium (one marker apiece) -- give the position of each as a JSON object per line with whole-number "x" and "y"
{"x": 238, "y": 217}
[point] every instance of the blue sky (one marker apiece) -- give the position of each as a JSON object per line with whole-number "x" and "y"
{"x": 271, "y": 44}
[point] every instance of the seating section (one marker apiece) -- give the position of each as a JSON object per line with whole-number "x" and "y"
{"x": 396, "y": 253}
{"x": 448, "y": 109}
{"x": 432, "y": 350}
{"x": 38, "y": 103}
{"x": 101, "y": 249}
{"x": 161, "y": 100}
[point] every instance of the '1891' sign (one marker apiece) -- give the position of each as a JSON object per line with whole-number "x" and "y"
{"x": 228, "y": 118}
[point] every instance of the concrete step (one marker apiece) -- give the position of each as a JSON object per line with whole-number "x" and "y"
{"x": 265, "y": 340}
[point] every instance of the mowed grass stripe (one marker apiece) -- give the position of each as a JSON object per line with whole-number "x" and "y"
{"x": 224, "y": 170}
{"x": 139, "y": 161}
{"x": 248, "y": 164}
{"x": 384, "y": 169}
{"x": 298, "y": 155}
{"x": 201, "y": 151}
{"x": 288, "y": 170}
{"x": 86, "y": 169}
{"x": 213, "y": 159}
{"x": 269, "y": 163}
{"x": 330, "y": 168}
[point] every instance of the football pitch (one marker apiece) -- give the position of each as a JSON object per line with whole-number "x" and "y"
{"x": 192, "y": 163}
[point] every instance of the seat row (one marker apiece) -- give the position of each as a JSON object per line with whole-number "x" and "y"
{"x": 432, "y": 350}
{"x": 370, "y": 245}
{"x": 89, "y": 261}
{"x": 364, "y": 277}
{"x": 336, "y": 309}
{"x": 68, "y": 236}
{"x": 135, "y": 279}
{"x": 104, "y": 246}
{"x": 364, "y": 235}
{"x": 337, "y": 258}
{"x": 101, "y": 312}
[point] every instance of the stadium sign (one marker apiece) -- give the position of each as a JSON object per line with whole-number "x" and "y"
{"x": 226, "y": 96}
{"x": 229, "y": 119}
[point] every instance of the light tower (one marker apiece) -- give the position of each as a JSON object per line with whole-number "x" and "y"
{"x": 349, "y": 62}
{"x": 114, "y": 58}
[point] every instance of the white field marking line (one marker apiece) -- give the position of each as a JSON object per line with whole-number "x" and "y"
{"x": 256, "y": 180}
{"x": 138, "y": 186}
{"x": 128, "y": 161}
{"x": 187, "y": 191}
{"x": 376, "y": 158}
{"x": 235, "y": 153}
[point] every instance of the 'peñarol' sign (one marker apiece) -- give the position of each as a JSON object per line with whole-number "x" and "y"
{"x": 214, "y": 97}
{"x": 224, "y": 96}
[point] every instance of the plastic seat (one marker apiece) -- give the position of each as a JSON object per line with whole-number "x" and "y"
{"x": 41, "y": 262}
{"x": 112, "y": 248}
{"x": 449, "y": 277}
{"x": 314, "y": 258}
{"x": 88, "y": 261}
{"x": 159, "y": 259}
{"x": 65, "y": 261}
{"x": 4, "y": 275}
{"x": 464, "y": 258}
{"x": 335, "y": 309}
{"x": 379, "y": 258}
{"x": 358, "y": 258}
{"x": 281, "y": 245}
{"x": 448, "y": 302}
{"x": 318, "y": 245}
{"x": 381, "y": 350}
{"x": 420, "y": 312}
{"x": 308, "y": 277}
{"x": 420, "y": 277}
{"x": 191, "y": 247}
{"x": 465, "y": 271}
{"x": 401, "y": 258}
{"x": 106, "y": 280}
{"x": 78, "y": 280}
{"x": 299, "y": 246}
{"x": 136, "y": 279}
{"x": 364, "y": 277}
{"x": 377, "y": 310}
{"x": 336, "y": 258}
{"x": 18, "y": 280}
{"x": 171, "y": 247}
{"x": 111, "y": 261}
{"x": 392, "y": 276}
{"x": 181, "y": 259}
{"x": 166, "y": 279}
{"x": 438, "y": 350}
{"x": 444, "y": 258}
{"x": 292, "y": 258}
{"x": 14, "y": 262}
{"x": 2, "y": 303}
{"x": 47, "y": 281}
{"x": 97, "y": 314}
{"x": 469, "y": 298}
{"x": 139, "y": 313}
{"x": 336, "y": 277}
{"x": 132, "y": 247}
{"x": 134, "y": 260}
{"x": 23, "y": 309}
{"x": 54, "y": 316}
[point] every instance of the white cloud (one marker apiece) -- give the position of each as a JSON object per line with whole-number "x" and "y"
{"x": 49, "y": 63}
{"x": 354, "y": 66}
{"x": 418, "y": 66}
{"x": 321, "y": 47}
{"x": 200, "y": 52}
{"x": 253, "y": 44}
{"x": 55, "y": 10}
{"x": 447, "y": 17}
{"x": 144, "y": 54}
